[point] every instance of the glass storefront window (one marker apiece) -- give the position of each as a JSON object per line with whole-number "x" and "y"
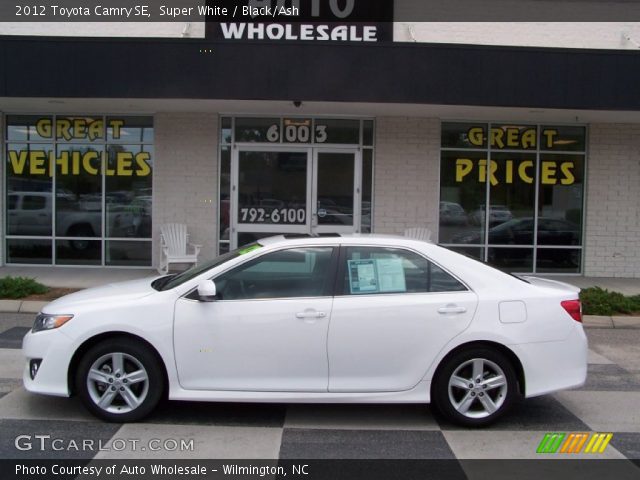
{"x": 77, "y": 181}
{"x": 258, "y": 130}
{"x": 273, "y": 188}
{"x": 300, "y": 175}
{"x": 462, "y": 197}
{"x": 505, "y": 185}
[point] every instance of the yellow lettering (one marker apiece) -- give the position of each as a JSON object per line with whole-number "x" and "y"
{"x": 124, "y": 160}
{"x": 463, "y": 168}
{"x": 522, "y": 171}
{"x": 482, "y": 171}
{"x": 63, "y": 127}
{"x": 548, "y": 173}
{"x": 43, "y": 127}
{"x": 566, "y": 168}
{"x": 37, "y": 163}
{"x": 549, "y": 134}
{"x": 528, "y": 138}
{"x": 509, "y": 173}
{"x": 493, "y": 167}
{"x": 512, "y": 137}
{"x": 142, "y": 160}
{"x": 18, "y": 161}
{"x": 63, "y": 162}
{"x": 87, "y": 158}
{"x": 496, "y": 137}
{"x": 75, "y": 164}
{"x": 116, "y": 125}
{"x": 476, "y": 136}
{"x": 79, "y": 128}
{"x": 96, "y": 130}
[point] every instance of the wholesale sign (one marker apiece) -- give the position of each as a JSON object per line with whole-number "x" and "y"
{"x": 302, "y": 21}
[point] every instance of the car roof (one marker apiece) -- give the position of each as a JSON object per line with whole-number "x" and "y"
{"x": 336, "y": 239}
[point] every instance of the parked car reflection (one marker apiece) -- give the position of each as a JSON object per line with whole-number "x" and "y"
{"x": 497, "y": 214}
{"x": 30, "y": 213}
{"x": 519, "y": 231}
{"x": 452, "y": 214}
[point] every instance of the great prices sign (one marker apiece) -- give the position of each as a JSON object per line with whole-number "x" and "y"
{"x": 554, "y": 169}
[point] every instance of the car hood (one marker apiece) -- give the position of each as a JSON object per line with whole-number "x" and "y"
{"x": 111, "y": 293}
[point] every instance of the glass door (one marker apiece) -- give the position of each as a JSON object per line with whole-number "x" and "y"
{"x": 336, "y": 191}
{"x": 293, "y": 190}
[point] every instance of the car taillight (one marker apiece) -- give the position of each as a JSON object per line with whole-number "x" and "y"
{"x": 573, "y": 308}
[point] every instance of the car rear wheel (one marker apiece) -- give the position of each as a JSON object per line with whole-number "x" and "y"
{"x": 475, "y": 387}
{"x": 119, "y": 380}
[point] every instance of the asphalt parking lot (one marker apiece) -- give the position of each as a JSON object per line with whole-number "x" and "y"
{"x": 609, "y": 402}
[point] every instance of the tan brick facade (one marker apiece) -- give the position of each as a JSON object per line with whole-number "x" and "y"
{"x": 407, "y": 172}
{"x": 185, "y": 177}
{"x": 612, "y": 248}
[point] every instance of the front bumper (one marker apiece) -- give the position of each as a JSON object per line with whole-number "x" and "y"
{"x": 56, "y": 350}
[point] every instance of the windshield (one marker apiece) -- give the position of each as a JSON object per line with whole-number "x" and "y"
{"x": 172, "y": 281}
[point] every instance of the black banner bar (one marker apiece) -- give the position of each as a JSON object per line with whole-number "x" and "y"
{"x": 557, "y": 468}
{"x": 305, "y": 11}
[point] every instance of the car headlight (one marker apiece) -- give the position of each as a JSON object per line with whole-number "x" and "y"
{"x": 49, "y": 322}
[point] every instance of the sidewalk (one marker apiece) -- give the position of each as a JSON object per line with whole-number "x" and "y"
{"x": 77, "y": 277}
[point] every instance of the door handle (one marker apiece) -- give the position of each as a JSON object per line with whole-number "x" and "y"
{"x": 307, "y": 315}
{"x": 451, "y": 309}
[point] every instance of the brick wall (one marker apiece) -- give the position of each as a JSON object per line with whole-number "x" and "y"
{"x": 407, "y": 169}
{"x": 185, "y": 177}
{"x": 612, "y": 246}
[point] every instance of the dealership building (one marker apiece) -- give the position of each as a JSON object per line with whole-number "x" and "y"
{"x": 517, "y": 144}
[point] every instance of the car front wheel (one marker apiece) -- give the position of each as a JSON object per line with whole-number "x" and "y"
{"x": 119, "y": 380}
{"x": 475, "y": 387}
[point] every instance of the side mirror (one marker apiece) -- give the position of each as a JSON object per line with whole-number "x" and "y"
{"x": 207, "y": 291}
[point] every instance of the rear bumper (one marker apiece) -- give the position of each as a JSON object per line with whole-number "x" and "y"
{"x": 553, "y": 366}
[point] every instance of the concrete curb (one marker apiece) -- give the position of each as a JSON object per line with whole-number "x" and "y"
{"x": 21, "y": 306}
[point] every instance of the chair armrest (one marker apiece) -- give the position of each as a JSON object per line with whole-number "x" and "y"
{"x": 196, "y": 248}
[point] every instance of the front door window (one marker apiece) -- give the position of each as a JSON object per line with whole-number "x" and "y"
{"x": 293, "y": 176}
{"x": 297, "y": 190}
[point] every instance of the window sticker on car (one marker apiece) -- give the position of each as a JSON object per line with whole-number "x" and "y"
{"x": 249, "y": 249}
{"x": 391, "y": 275}
{"x": 376, "y": 275}
{"x": 363, "y": 277}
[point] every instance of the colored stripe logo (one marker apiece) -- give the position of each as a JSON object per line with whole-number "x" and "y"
{"x": 580, "y": 442}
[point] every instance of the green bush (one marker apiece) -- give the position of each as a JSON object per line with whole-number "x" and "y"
{"x": 20, "y": 287}
{"x": 596, "y": 301}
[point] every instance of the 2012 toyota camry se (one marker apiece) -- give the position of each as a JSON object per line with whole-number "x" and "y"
{"x": 344, "y": 319}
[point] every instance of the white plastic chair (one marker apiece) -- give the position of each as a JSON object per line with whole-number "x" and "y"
{"x": 419, "y": 233}
{"x": 175, "y": 246}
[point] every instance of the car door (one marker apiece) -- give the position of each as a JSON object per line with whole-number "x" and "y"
{"x": 393, "y": 312}
{"x": 267, "y": 328}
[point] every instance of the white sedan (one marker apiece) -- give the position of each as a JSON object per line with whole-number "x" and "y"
{"x": 344, "y": 319}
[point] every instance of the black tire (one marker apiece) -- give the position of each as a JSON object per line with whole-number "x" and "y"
{"x": 477, "y": 397}
{"x": 126, "y": 397}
